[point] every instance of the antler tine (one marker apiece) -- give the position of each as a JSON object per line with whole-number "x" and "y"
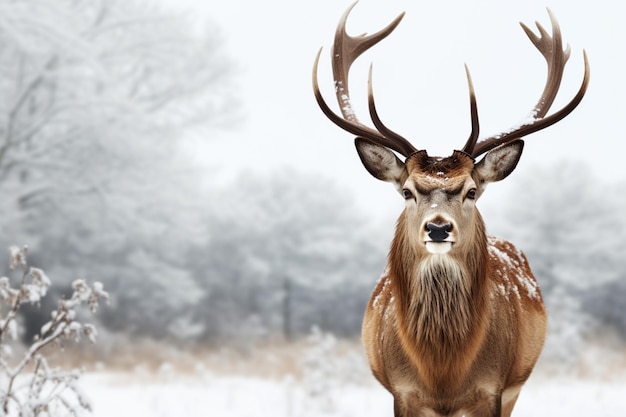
{"x": 346, "y": 49}
{"x": 539, "y": 124}
{"x": 397, "y": 142}
{"x": 551, "y": 47}
{"x": 352, "y": 127}
{"x": 471, "y": 141}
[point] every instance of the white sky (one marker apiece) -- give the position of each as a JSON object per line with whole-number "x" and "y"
{"x": 419, "y": 83}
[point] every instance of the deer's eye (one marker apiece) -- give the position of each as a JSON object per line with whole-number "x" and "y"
{"x": 471, "y": 194}
{"x": 407, "y": 194}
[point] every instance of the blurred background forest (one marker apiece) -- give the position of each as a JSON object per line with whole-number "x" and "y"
{"x": 98, "y": 99}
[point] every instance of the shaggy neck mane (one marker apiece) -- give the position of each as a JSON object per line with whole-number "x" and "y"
{"x": 442, "y": 303}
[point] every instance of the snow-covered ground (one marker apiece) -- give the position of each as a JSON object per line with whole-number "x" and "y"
{"x": 172, "y": 395}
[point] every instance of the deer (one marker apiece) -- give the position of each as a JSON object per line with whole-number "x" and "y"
{"x": 456, "y": 323}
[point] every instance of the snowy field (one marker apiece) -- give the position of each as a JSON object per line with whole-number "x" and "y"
{"x": 129, "y": 395}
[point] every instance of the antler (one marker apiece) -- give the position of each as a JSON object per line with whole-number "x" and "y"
{"x": 551, "y": 47}
{"x": 346, "y": 50}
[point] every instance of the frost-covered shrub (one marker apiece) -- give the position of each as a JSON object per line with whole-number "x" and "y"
{"x": 29, "y": 387}
{"x": 320, "y": 371}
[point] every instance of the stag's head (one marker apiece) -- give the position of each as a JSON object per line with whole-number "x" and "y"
{"x": 441, "y": 192}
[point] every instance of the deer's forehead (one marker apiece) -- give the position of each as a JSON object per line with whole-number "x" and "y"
{"x": 425, "y": 183}
{"x": 449, "y": 173}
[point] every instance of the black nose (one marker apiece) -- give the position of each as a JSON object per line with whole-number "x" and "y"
{"x": 438, "y": 233}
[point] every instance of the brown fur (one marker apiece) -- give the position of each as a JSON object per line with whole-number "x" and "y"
{"x": 448, "y": 334}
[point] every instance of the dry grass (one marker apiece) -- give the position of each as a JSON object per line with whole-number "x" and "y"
{"x": 272, "y": 359}
{"x": 278, "y": 359}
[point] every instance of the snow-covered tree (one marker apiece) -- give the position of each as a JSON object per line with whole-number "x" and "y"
{"x": 290, "y": 248}
{"x": 93, "y": 95}
{"x": 96, "y": 97}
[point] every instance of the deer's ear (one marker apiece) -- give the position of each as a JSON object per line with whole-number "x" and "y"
{"x": 382, "y": 163}
{"x": 500, "y": 162}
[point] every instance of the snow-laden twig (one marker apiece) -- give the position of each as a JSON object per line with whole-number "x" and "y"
{"x": 46, "y": 391}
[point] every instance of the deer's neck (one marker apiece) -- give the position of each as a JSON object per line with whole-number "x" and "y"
{"x": 442, "y": 303}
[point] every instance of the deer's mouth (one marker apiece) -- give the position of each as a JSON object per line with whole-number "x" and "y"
{"x": 439, "y": 247}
